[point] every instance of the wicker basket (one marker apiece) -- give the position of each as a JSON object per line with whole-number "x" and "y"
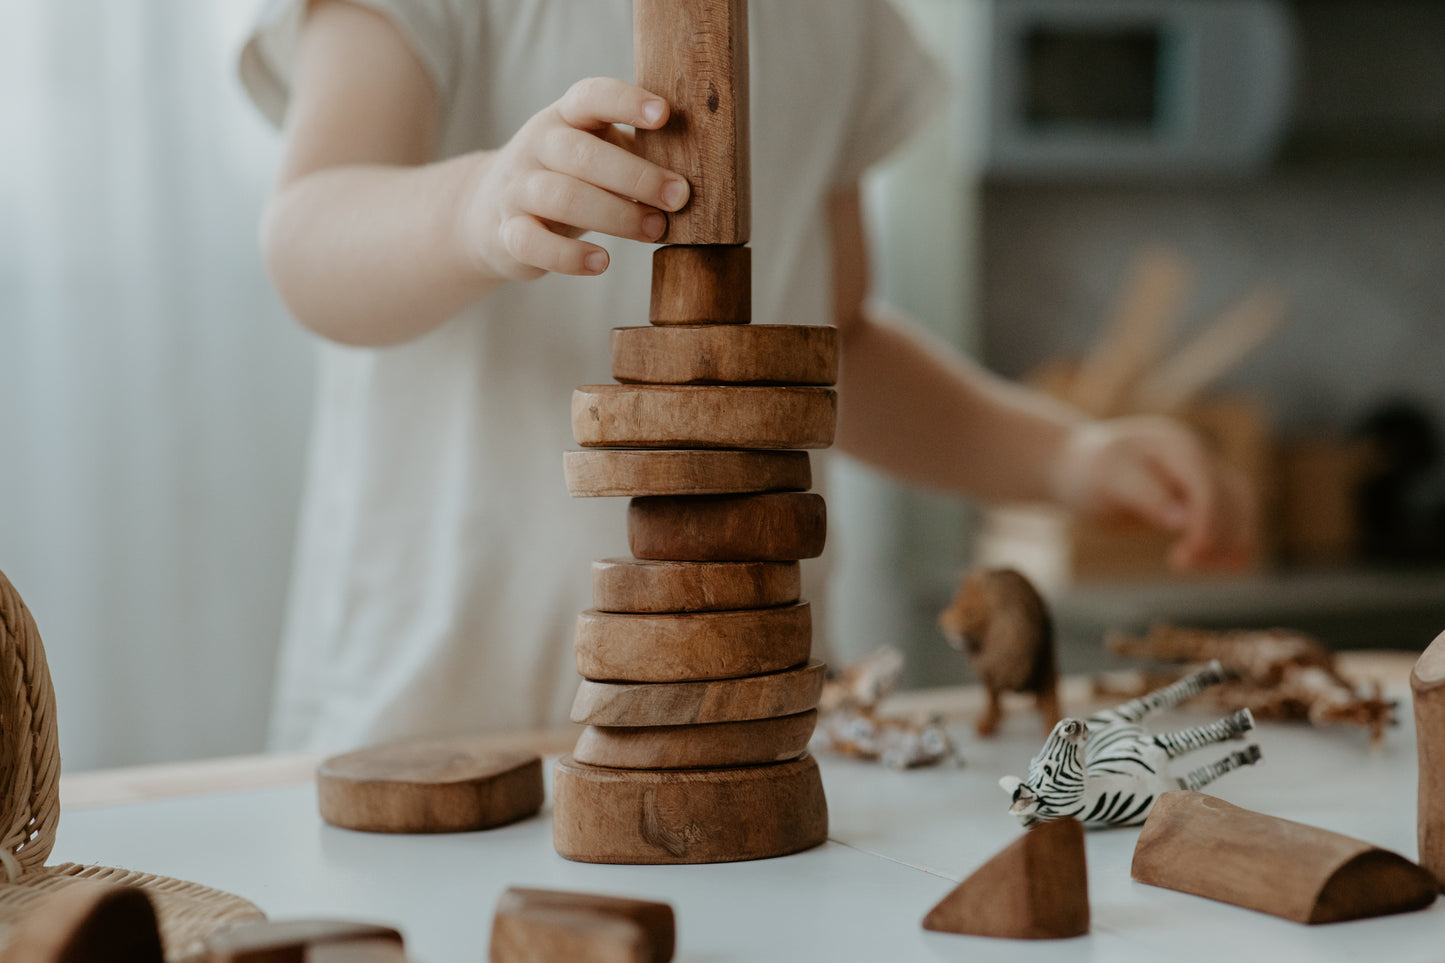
{"x": 30, "y": 806}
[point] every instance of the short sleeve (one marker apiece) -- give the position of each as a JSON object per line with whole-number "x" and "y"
{"x": 268, "y": 57}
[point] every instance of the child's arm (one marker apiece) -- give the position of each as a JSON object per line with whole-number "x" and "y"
{"x": 370, "y": 241}
{"x": 922, "y": 411}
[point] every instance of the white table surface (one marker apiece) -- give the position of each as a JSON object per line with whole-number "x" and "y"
{"x": 898, "y": 842}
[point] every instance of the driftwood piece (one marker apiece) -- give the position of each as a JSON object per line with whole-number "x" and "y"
{"x": 536, "y": 925}
{"x": 1198, "y": 844}
{"x": 1427, "y": 686}
{"x": 692, "y": 646}
{"x": 1036, "y": 888}
{"x": 689, "y": 815}
{"x": 88, "y": 923}
{"x": 726, "y": 354}
{"x": 693, "y": 703}
{"x": 702, "y": 284}
{"x": 748, "y": 743}
{"x": 770, "y": 527}
{"x": 703, "y": 416}
{"x": 604, "y": 472}
{"x": 650, "y": 585}
{"x": 301, "y": 940}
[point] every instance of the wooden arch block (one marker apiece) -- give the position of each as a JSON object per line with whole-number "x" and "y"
{"x": 775, "y": 526}
{"x": 1427, "y": 687}
{"x": 698, "y": 416}
{"x": 1195, "y": 843}
{"x": 88, "y": 922}
{"x": 283, "y": 941}
{"x": 693, "y": 703}
{"x": 603, "y": 472}
{"x": 650, "y": 585}
{"x": 533, "y": 925}
{"x": 702, "y": 284}
{"x": 1036, "y": 888}
{"x": 726, "y": 354}
{"x": 692, "y": 646}
{"x": 750, "y": 743}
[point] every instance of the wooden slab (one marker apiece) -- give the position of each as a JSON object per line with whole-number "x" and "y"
{"x": 1427, "y": 686}
{"x": 1036, "y": 888}
{"x": 735, "y": 354}
{"x": 689, "y": 815}
{"x": 692, "y": 646}
{"x": 703, "y": 416}
{"x": 87, "y": 922}
{"x": 712, "y": 746}
{"x": 602, "y": 472}
{"x": 650, "y": 585}
{"x": 691, "y": 703}
{"x": 285, "y": 941}
{"x": 437, "y": 785}
{"x": 532, "y": 925}
{"x": 702, "y": 284}
{"x": 695, "y": 56}
{"x": 1195, "y": 843}
{"x": 775, "y": 526}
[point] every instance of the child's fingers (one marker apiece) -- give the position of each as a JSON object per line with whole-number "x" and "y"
{"x": 530, "y": 243}
{"x": 593, "y": 159}
{"x": 577, "y": 204}
{"x": 598, "y": 101}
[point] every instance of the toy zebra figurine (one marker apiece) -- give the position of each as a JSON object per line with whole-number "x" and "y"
{"x": 1123, "y": 768}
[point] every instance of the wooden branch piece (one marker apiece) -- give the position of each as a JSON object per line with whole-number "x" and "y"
{"x": 692, "y": 646}
{"x": 1195, "y": 843}
{"x": 695, "y": 56}
{"x": 749, "y": 743}
{"x": 88, "y": 922}
{"x": 537, "y": 925}
{"x": 437, "y": 785}
{"x": 687, "y": 816}
{"x": 649, "y": 585}
{"x": 264, "y": 941}
{"x": 777, "y": 526}
{"x": 736, "y": 354}
{"x": 693, "y": 703}
{"x": 606, "y": 471}
{"x": 692, "y": 416}
{"x": 1427, "y": 686}
{"x": 702, "y": 284}
{"x": 1036, "y": 888}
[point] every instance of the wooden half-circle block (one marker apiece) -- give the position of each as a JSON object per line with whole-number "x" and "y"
{"x": 750, "y": 743}
{"x": 532, "y": 925}
{"x": 691, "y": 703}
{"x": 267, "y": 941}
{"x": 87, "y": 922}
{"x": 726, "y": 354}
{"x": 692, "y": 646}
{"x": 702, "y": 284}
{"x": 1427, "y": 687}
{"x": 605, "y": 471}
{"x": 703, "y": 416}
{"x": 436, "y": 785}
{"x": 1196, "y": 843}
{"x": 687, "y": 815}
{"x": 650, "y": 585}
{"x": 773, "y": 526}
{"x": 1036, "y": 888}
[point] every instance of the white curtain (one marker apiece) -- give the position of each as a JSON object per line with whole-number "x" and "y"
{"x": 154, "y": 398}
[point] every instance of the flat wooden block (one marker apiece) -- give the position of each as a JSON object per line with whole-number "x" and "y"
{"x": 695, "y": 56}
{"x": 689, "y": 703}
{"x": 88, "y": 922}
{"x": 703, "y": 416}
{"x": 692, "y": 646}
{"x": 712, "y": 746}
{"x": 1036, "y": 888}
{"x": 702, "y": 284}
{"x": 649, "y": 585}
{"x": 736, "y": 354}
{"x": 1427, "y": 688}
{"x": 687, "y": 816}
{"x": 775, "y": 526}
{"x": 440, "y": 785}
{"x": 548, "y": 925}
{"x": 602, "y": 472}
{"x": 298, "y": 941}
{"x": 1195, "y": 843}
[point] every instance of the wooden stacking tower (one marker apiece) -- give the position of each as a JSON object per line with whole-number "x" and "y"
{"x": 699, "y": 693}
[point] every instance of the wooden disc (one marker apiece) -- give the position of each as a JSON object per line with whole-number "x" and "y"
{"x": 702, "y": 284}
{"x": 692, "y": 646}
{"x": 601, "y": 472}
{"x": 703, "y": 416}
{"x": 687, "y": 815}
{"x": 775, "y": 526}
{"x": 726, "y": 354}
{"x": 692, "y": 703}
{"x": 649, "y": 585}
{"x": 440, "y": 785}
{"x": 750, "y": 743}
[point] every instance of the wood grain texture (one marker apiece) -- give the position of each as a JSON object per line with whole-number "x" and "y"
{"x": 692, "y": 646}
{"x": 720, "y": 744}
{"x": 1195, "y": 843}
{"x": 1427, "y": 687}
{"x": 703, "y": 416}
{"x": 438, "y": 785}
{"x": 525, "y": 922}
{"x": 687, "y": 816}
{"x": 691, "y": 703}
{"x": 726, "y": 354}
{"x": 285, "y": 941}
{"x": 613, "y": 472}
{"x": 702, "y": 284}
{"x": 88, "y": 922}
{"x": 775, "y": 526}
{"x": 650, "y": 585}
{"x": 1036, "y": 888}
{"x": 694, "y": 55}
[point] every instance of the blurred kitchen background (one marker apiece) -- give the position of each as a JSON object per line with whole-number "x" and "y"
{"x": 1239, "y": 216}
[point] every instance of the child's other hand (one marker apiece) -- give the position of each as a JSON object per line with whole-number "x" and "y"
{"x": 1155, "y": 469}
{"x": 567, "y": 171}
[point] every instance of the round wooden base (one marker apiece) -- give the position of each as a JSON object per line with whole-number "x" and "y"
{"x": 691, "y": 703}
{"x": 692, "y": 646}
{"x": 648, "y": 585}
{"x": 774, "y": 526}
{"x": 726, "y": 354}
{"x": 695, "y": 416}
{"x": 684, "y": 472}
{"x": 687, "y": 816}
{"x": 751, "y": 743}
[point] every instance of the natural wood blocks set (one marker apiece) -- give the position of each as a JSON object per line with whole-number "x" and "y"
{"x": 698, "y": 692}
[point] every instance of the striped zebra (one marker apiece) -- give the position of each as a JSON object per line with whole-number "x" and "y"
{"x": 1107, "y": 770}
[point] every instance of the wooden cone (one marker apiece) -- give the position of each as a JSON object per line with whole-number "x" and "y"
{"x": 1036, "y": 888}
{"x": 1427, "y": 686}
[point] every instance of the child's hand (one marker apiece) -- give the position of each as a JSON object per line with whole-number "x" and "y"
{"x": 566, "y": 172}
{"x": 1155, "y": 469}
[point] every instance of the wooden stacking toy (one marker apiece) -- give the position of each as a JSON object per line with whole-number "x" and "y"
{"x": 698, "y": 692}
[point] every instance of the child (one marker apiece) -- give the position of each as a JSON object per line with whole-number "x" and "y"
{"x": 441, "y": 167}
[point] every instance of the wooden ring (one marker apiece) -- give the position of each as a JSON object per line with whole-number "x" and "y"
{"x": 749, "y": 743}
{"x": 775, "y": 526}
{"x": 725, "y": 354}
{"x": 692, "y": 646}
{"x": 696, "y": 416}
{"x": 694, "y": 703}
{"x": 606, "y": 471}
{"x": 648, "y": 585}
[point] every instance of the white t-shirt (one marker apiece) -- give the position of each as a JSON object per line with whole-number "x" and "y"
{"x": 440, "y": 563}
